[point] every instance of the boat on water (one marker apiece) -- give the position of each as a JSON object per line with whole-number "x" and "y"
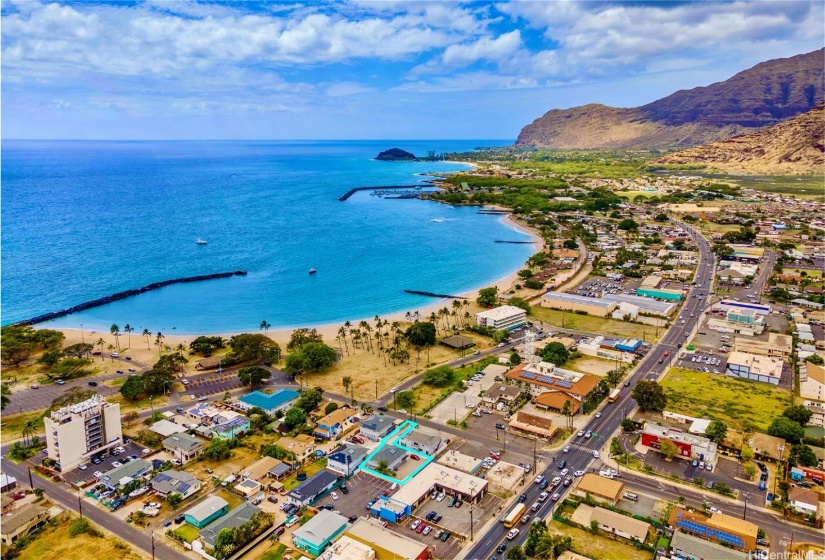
{"x": 312, "y": 270}
{"x": 200, "y": 241}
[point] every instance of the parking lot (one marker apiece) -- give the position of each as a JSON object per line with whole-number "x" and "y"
{"x": 516, "y": 449}
{"x": 703, "y": 361}
{"x": 726, "y": 470}
{"x": 597, "y": 287}
{"x": 83, "y": 477}
{"x": 362, "y": 488}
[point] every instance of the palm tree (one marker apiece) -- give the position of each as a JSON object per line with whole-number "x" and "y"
{"x": 111, "y": 348}
{"x": 29, "y": 428}
{"x": 434, "y": 321}
{"x": 408, "y": 316}
{"x": 115, "y": 330}
{"x": 129, "y": 330}
{"x": 147, "y": 334}
{"x": 180, "y": 348}
{"x": 159, "y": 341}
{"x": 265, "y": 326}
{"x": 342, "y": 335}
{"x": 100, "y": 344}
{"x": 356, "y": 337}
{"x": 347, "y": 382}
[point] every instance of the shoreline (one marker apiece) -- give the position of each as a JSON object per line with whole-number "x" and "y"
{"x": 329, "y": 330}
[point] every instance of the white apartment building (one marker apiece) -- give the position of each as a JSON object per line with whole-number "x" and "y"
{"x": 75, "y": 433}
{"x": 504, "y": 317}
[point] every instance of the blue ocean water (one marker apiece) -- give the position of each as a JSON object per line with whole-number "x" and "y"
{"x": 82, "y": 220}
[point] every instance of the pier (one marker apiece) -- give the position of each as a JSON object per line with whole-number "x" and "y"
{"x": 128, "y": 293}
{"x": 412, "y": 191}
{"x": 431, "y": 294}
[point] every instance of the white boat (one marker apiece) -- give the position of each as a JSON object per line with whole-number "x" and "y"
{"x": 312, "y": 270}
{"x": 200, "y": 241}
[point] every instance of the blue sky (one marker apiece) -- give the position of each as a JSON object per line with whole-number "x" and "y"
{"x": 357, "y": 69}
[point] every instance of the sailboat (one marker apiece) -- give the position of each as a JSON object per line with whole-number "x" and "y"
{"x": 200, "y": 241}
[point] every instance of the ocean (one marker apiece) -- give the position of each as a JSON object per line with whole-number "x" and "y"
{"x": 83, "y": 220}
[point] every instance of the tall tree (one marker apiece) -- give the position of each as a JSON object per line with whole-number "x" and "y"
{"x": 253, "y": 375}
{"x": 265, "y": 326}
{"x": 716, "y": 431}
{"x": 649, "y": 395}
{"x": 147, "y": 335}
{"x": 159, "y": 341}
{"x": 115, "y": 330}
{"x": 129, "y": 329}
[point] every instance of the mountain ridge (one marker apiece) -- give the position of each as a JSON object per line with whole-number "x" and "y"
{"x": 764, "y": 95}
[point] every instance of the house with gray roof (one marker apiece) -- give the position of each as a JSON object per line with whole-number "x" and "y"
{"x": 346, "y": 458}
{"x": 376, "y": 427}
{"x": 313, "y": 488}
{"x": 183, "y": 447}
{"x": 235, "y": 518}
{"x": 694, "y": 548}
{"x": 207, "y": 511}
{"x": 421, "y": 440}
{"x": 170, "y": 482}
{"x": 125, "y": 474}
{"x": 394, "y": 456}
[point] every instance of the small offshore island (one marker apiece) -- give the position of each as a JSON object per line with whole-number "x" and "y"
{"x": 396, "y": 154}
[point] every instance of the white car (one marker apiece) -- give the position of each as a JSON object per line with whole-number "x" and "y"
{"x": 581, "y": 433}
{"x": 578, "y": 473}
{"x": 598, "y": 415}
{"x": 60, "y": 382}
{"x": 117, "y": 464}
{"x": 595, "y": 454}
{"x": 334, "y": 495}
{"x": 564, "y": 471}
{"x": 83, "y": 467}
{"x": 402, "y": 411}
{"x": 539, "y": 478}
{"x": 566, "y": 449}
{"x": 98, "y": 474}
{"x": 440, "y": 497}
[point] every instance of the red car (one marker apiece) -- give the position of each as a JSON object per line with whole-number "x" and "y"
{"x": 415, "y": 457}
{"x": 18, "y": 496}
{"x": 420, "y": 528}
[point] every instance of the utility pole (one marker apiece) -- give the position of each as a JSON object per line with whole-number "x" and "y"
{"x": 471, "y": 522}
{"x": 534, "y": 455}
{"x": 153, "y": 545}
{"x": 745, "y": 512}
{"x": 80, "y": 504}
{"x": 31, "y": 481}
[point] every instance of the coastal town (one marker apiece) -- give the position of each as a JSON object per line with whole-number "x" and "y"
{"x": 649, "y": 385}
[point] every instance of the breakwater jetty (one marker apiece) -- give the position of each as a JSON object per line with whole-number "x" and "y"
{"x": 488, "y": 211}
{"x": 515, "y": 242}
{"x": 431, "y": 294}
{"x": 125, "y": 294}
{"x": 381, "y": 191}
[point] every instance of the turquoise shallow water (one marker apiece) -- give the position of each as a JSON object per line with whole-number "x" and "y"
{"x": 82, "y": 220}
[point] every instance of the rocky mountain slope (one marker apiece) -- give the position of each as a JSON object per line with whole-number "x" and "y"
{"x": 795, "y": 146}
{"x": 761, "y": 96}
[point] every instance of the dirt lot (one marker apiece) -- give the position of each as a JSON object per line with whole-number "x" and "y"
{"x": 589, "y": 364}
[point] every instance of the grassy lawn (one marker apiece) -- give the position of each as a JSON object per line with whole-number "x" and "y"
{"x": 12, "y": 426}
{"x": 310, "y": 469}
{"x": 633, "y": 194}
{"x": 594, "y": 546}
{"x": 232, "y": 499}
{"x": 425, "y": 395}
{"x": 275, "y": 552}
{"x": 588, "y": 323}
{"x": 139, "y": 404}
{"x": 809, "y": 272}
{"x": 187, "y": 532}
{"x": 735, "y": 402}
{"x": 54, "y": 543}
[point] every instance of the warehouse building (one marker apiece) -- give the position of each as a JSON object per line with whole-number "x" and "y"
{"x": 777, "y": 346}
{"x": 687, "y": 547}
{"x": 467, "y": 487}
{"x": 660, "y": 293}
{"x": 644, "y": 304}
{"x": 719, "y": 528}
{"x": 598, "y": 307}
{"x": 755, "y": 368}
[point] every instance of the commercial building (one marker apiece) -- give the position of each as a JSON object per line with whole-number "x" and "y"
{"x": 504, "y": 317}
{"x": 660, "y": 293}
{"x": 125, "y": 474}
{"x": 280, "y": 400}
{"x": 74, "y": 433}
{"x": 729, "y": 304}
{"x": 170, "y": 482}
{"x": 767, "y": 447}
{"x": 728, "y": 327}
{"x": 698, "y": 426}
{"x": 335, "y": 423}
{"x": 755, "y": 368}
{"x": 812, "y": 390}
{"x": 606, "y": 349}
{"x": 241, "y": 515}
{"x": 505, "y": 477}
{"x": 551, "y": 386}
{"x": 183, "y": 447}
{"x": 347, "y": 458}
{"x": 612, "y": 523}
{"x": 467, "y": 487}
{"x": 313, "y": 488}
{"x": 532, "y": 426}
{"x": 421, "y": 440}
{"x": 598, "y": 307}
{"x": 651, "y": 282}
{"x": 23, "y": 521}
{"x": 690, "y": 446}
{"x": 317, "y": 533}
{"x": 720, "y": 528}
{"x": 687, "y": 547}
{"x": 376, "y": 427}
{"x": 746, "y": 254}
{"x": 387, "y": 544}
{"x": 459, "y": 461}
{"x": 206, "y": 512}
{"x": 746, "y": 317}
{"x": 346, "y": 548}
{"x": 777, "y": 346}
{"x": 601, "y": 488}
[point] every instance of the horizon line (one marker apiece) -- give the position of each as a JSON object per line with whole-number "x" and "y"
{"x": 256, "y": 140}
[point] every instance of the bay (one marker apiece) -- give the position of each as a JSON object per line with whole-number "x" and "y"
{"x": 82, "y": 220}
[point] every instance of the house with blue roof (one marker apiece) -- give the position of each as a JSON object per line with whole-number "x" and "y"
{"x": 376, "y": 427}
{"x": 282, "y": 400}
{"x": 347, "y": 458}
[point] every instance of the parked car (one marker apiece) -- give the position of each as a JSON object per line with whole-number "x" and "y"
{"x": 92, "y": 383}
{"x": 445, "y": 536}
{"x": 414, "y": 525}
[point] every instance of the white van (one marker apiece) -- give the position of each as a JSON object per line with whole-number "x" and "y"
{"x": 606, "y": 474}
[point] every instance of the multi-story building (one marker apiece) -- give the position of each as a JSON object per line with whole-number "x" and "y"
{"x": 74, "y": 433}
{"x": 504, "y": 317}
{"x": 551, "y": 386}
{"x": 756, "y": 368}
{"x": 731, "y": 531}
{"x": 777, "y": 346}
{"x": 376, "y": 427}
{"x": 333, "y": 424}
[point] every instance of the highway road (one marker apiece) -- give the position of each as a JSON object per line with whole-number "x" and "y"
{"x": 580, "y": 456}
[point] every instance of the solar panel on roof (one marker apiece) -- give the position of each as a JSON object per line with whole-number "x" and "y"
{"x": 563, "y": 383}
{"x": 546, "y": 379}
{"x": 527, "y": 375}
{"x": 183, "y": 487}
